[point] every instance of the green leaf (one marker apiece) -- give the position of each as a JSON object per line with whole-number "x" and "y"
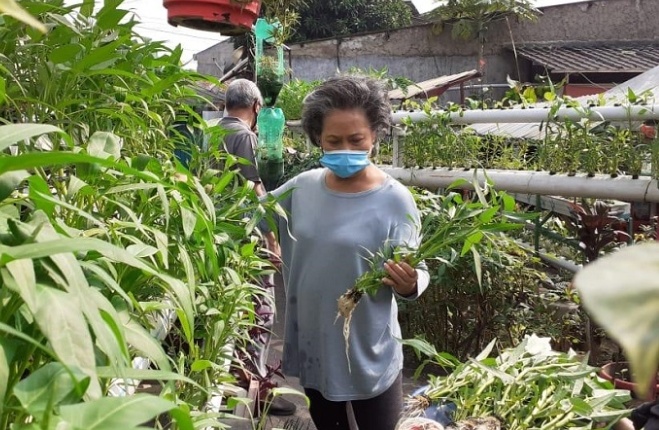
{"x": 477, "y": 266}
{"x": 38, "y": 190}
{"x": 283, "y": 391}
{"x": 110, "y": 15}
{"x": 65, "y": 53}
{"x": 143, "y": 342}
{"x": 621, "y": 292}
{"x": 11, "y": 8}
{"x": 22, "y": 281}
{"x": 7, "y": 348}
{"x": 141, "y": 250}
{"x": 472, "y": 240}
{"x": 485, "y": 353}
{"x": 10, "y": 181}
{"x": 181, "y": 416}
{"x": 71, "y": 277}
{"x": 50, "y": 248}
{"x": 101, "y": 56}
{"x": 189, "y": 220}
{"x": 87, "y": 8}
{"x": 15, "y": 333}
{"x": 143, "y": 374}
{"x": 48, "y": 386}
{"x": 503, "y": 376}
{"x": 201, "y": 365}
{"x": 67, "y": 331}
{"x": 421, "y": 346}
{"x": 581, "y": 407}
{"x": 14, "y": 133}
{"x": 103, "y": 145}
{"x": 3, "y": 90}
{"x": 111, "y": 413}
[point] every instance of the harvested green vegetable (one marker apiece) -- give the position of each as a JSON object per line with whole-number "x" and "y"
{"x": 450, "y": 227}
{"x": 527, "y": 387}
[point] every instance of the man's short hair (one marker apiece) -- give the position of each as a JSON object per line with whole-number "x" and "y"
{"x": 242, "y": 94}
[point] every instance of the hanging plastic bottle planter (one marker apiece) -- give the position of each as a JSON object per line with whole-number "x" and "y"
{"x": 271, "y": 121}
{"x": 269, "y": 68}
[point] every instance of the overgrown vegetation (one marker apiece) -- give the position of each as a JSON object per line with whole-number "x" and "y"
{"x": 336, "y": 18}
{"x": 529, "y": 386}
{"x": 106, "y": 239}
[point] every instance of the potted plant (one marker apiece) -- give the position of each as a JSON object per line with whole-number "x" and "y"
{"x": 597, "y": 230}
{"x": 228, "y": 17}
{"x": 619, "y": 373}
{"x": 269, "y": 79}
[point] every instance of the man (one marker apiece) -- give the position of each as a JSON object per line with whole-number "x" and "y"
{"x": 243, "y": 101}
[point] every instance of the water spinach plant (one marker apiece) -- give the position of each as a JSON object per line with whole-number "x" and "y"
{"x": 525, "y": 387}
{"x": 453, "y": 227}
{"x": 102, "y": 230}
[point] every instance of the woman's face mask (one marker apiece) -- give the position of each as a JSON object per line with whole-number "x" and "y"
{"x": 345, "y": 163}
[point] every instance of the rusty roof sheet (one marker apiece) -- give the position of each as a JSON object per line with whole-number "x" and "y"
{"x": 428, "y": 86}
{"x": 633, "y": 57}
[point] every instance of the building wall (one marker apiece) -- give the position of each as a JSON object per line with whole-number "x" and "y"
{"x": 419, "y": 53}
{"x": 214, "y": 60}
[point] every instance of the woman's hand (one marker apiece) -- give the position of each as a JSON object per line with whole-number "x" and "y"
{"x": 274, "y": 250}
{"x": 402, "y": 277}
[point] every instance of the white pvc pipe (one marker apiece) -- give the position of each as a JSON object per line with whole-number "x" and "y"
{"x": 622, "y": 188}
{"x": 538, "y": 114}
{"x": 530, "y": 115}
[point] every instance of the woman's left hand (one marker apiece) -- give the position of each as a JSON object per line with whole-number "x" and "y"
{"x": 402, "y": 277}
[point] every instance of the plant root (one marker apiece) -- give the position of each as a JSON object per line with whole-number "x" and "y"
{"x": 347, "y": 304}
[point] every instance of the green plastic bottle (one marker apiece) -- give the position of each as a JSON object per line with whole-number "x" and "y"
{"x": 271, "y": 123}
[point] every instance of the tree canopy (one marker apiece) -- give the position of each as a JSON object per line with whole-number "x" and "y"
{"x": 320, "y": 19}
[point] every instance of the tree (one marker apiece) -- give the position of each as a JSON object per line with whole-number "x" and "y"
{"x": 333, "y": 18}
{"x": 471, "y": 19}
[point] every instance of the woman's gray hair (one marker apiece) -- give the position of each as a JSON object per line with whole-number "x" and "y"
{"x": 242, "y": 94}
{"x": 346, "y": 93}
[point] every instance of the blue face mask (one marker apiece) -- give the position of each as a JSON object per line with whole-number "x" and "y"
{"x": 345, "y": 164}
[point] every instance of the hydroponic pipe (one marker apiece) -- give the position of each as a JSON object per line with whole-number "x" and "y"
{"x": 531, "y": 115}
{"x": 538, "y": 114}
{"x": 622, "y": 188}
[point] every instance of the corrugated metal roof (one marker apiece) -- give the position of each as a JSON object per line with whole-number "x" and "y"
{"x": 635, "y": 57}
{"x": 430, "y": 85}
{"x": 648, "y": 81}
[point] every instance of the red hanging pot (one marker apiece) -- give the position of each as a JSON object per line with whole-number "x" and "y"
{"x": 227, "y": 17}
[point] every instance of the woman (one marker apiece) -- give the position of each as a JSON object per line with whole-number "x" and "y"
{"x": 338, "y": 216}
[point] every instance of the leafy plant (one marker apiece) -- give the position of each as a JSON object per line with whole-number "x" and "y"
{"x": 48, "y": 264}
{"x": 96, "y": 74}
{"x": 529, "y": 386}
{"x": 472, "y": 19}
{"x": 333, "y": 18}
{"x": 269, "y": 79}
{"x": 620, "y": 292}
{"x": 457, "y": 228}
{"x": 292, "y": 95}
{"x": 458, "y": 315}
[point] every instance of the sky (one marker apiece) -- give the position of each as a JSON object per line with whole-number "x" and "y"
{"x": 153, "y": 17}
